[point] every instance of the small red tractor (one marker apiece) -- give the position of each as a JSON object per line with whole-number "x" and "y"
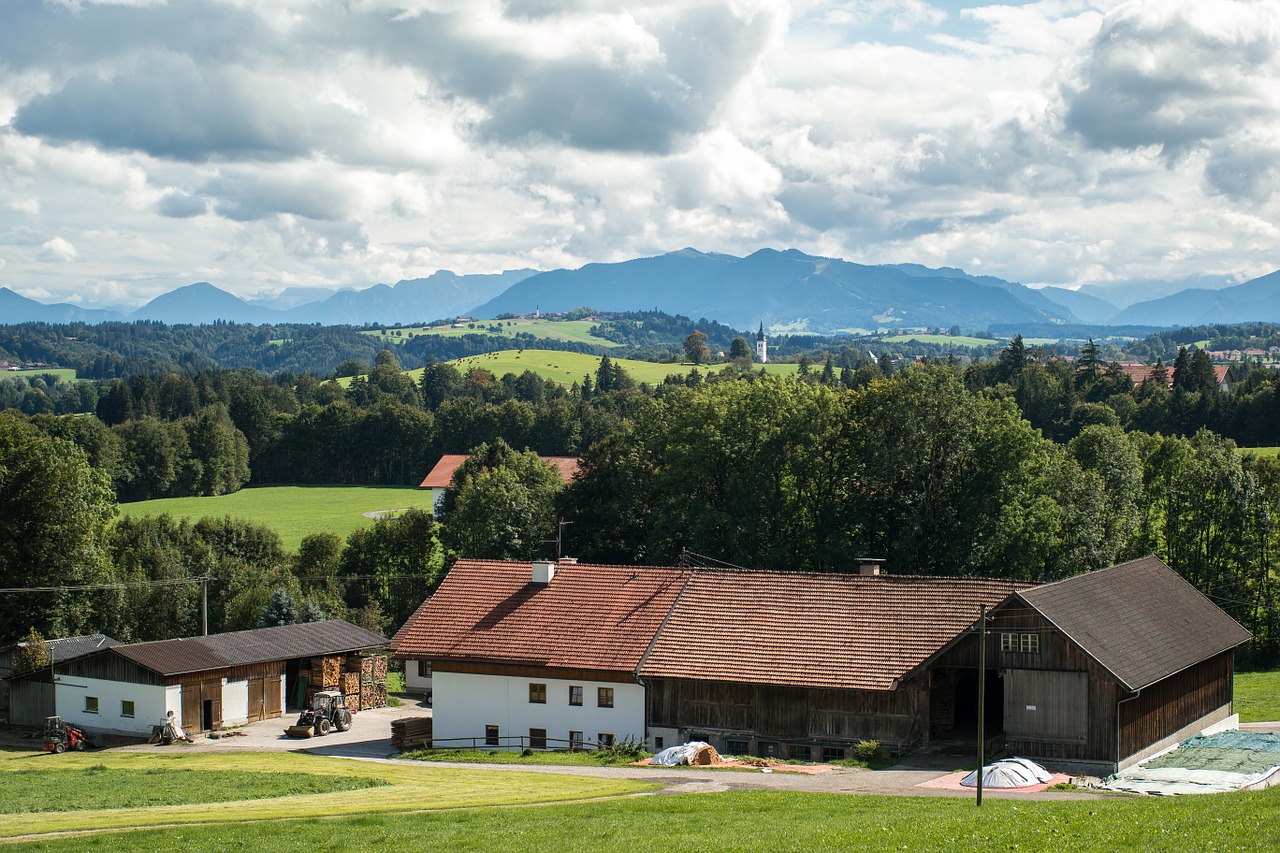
{"x": 59, "y": 736}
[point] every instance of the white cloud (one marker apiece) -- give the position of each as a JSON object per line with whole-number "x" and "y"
{"x": 327, "y": 142}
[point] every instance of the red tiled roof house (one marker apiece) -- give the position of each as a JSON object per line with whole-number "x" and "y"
{"x": 440, "y": 478}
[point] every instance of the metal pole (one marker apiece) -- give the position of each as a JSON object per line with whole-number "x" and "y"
{"x": 982, "y": 695}
{"x": 204, "y": 604}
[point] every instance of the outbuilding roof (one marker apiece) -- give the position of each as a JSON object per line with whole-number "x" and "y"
{"x": 259, "y": 645}
{"x": 588, "y": 617}
{"x": 441, "y": 476}
{"x": 1141, "y": 621}
{"x": 66, "y": 648}
{"x": 813, "y": 630}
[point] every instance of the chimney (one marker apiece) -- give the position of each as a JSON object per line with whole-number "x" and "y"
{"x": 543, "y": 571}
{"x": 869, "y": 565}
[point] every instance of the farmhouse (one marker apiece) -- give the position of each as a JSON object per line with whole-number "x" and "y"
{"x": 208, "y": 682}
{"x": 1093, "y": 672}
{"x": 440, "y": 478}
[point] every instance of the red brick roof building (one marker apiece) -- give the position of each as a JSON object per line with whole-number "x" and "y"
{"x": 804, "y": 665}
{"x": 440, "y": 478}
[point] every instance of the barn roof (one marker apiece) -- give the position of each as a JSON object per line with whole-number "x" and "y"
{"x": 588, "y": 617}
{"x": 441, "y": 476}
{"x": 66, "y": 648}
{"x": 813, "y": 630}
{"x": 1141, "y": 620}
{"x": 259, "y": 645}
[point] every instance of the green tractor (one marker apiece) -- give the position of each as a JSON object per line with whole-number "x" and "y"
{"x": 327, "y": 712}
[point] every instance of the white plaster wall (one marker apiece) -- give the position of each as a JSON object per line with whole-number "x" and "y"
{"x": 235, "y": 703}
{"x": 284, "y": 688}
{"x": 149, "y": 704}
{"x": 670, "y": 737}
{"x": 463, "y": 704}
{"x": 437, "y": 498}
{"x": 412, "y": 681}
{"x": 173, "y": 702}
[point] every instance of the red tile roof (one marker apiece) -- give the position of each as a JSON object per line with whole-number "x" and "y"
{"x": 441, "y": 476}
{"x": 813, "y": 630}
{"x": 588, "y": 617}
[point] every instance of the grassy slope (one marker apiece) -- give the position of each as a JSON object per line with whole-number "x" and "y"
{"x": 945, "y": 340}
{"x": 567, "y": 330}
{"x": 570, "y": 367}
{"x": 757, "y": 820}
{"x": 65, "y": 374}
{"x": 1257, "y": 696}
{"x": 294, "y": 511}
{"x": 400, "y": 789}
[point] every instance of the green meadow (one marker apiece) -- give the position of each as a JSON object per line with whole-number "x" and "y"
{"x": 64, "y": 374}
{"x": 569, "y": 367}
{"x": 293, "y": 511}
{"x": 578, "y": 331}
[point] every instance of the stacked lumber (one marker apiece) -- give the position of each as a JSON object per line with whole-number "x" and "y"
{"x": 350, "y": 683}
{"x": 331, "y": 672}
{"x": 380, "y": 668}
{"x": 352, "y": 701}
{"x": 380, "y": 695}
{"x": 411, "y": 732}
{"x": 366, "y": 697}
{"x": 366, "y": 670}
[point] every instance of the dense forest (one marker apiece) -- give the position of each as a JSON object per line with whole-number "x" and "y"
{"x": 1024, "y": 465}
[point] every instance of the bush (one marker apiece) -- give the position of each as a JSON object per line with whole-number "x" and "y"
{"x": 627, "y": 749}
{"x": 868, "y": 750}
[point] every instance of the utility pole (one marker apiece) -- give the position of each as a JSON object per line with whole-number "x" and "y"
{"x": 204, "y": 604}
{"x": 982, "y": 695}
{"x": 560, "y": 536}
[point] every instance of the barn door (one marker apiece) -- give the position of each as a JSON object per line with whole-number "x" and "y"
{"x": 1046, "y": 705}
{"x": 256, "y": 706}
{"x": 271, "y": 696}
{"x": 191, "y": 697}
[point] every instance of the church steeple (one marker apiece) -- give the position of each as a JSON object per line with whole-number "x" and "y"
{"x": 762, "y": 346}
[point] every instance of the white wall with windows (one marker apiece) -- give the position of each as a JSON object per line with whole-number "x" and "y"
{"x": 465, "y": 705}
{"x": 104, "y": 706}
{"x": 417, "y": 676}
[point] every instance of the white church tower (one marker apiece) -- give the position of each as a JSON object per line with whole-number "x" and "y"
{"x": 762, "y": 346}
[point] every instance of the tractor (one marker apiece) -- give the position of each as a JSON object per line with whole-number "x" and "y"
{"x": 327, "y": 712}
{"x": 59, "y": 736}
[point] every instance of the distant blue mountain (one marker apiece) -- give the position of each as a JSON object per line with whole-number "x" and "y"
{"x": 1257, "y": 300}
{"x": 783, "y": 289}
{"x": 1090, "y": 309}
{"x": 203, "y": 303}
{"x": 15, "y": 308}
{"x": 417, "y": 300}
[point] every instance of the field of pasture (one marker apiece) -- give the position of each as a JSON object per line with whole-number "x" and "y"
{"x": 577, "y": 331}
{"x": 569, "y": 367}
{"x": 293, "y": 511}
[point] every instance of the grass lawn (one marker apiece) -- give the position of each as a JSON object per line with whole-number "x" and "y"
{"x": 1262, "y": 452}
{"x": 762, "y": 820}
{"x": 354, "y": 788}
{"x": 1257, "y": 696}
{"x": 293, "y": 511}
{"x": 565, "y": 330}
{"x": 64, "y": 374}
{"x": 569, "y": 367}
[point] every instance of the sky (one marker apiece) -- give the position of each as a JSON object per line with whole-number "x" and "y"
{"x": 145, "y": 145}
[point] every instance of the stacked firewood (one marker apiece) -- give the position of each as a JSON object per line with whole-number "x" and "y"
{"x": 411, "y": 732}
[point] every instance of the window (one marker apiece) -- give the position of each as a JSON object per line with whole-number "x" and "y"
{"x": 832, "y": 753}
{"x": 657, "y": 743}
{"x": 538, "y": 738}
{"x": 604, "y": 697}
{"x": 575, "y": 740}
{"x": 1029, "y": 643}
{"x": 490, "y": 735}
{"x": 126, "y": 707}
{"x": 538, "y": 693}
{"x": 424, "y": 669}
{"x": 800, "y": 752}
{"x": 604, "y": 740}
{"x": 738, "y": 747}
{"x": 91, "y": 704}
{"x": 575, "y": 694}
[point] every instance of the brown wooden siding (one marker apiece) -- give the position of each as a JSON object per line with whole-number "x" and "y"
{"x": 1056, "y": 654}
{"x": 109, "y": 667}
{"x": 31, "y": 701}
{"x": 198, "y": 687}
{"x": 782, "y": 712}
{"x": 1179, "y": 700}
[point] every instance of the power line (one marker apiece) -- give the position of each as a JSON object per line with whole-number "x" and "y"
{"x": 95, "y": 586}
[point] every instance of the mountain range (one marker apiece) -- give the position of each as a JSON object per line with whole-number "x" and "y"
{"x": 785, "y": 290}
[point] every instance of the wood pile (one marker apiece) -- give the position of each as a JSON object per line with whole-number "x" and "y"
{"x": 366, "y": 697}
{"x": 380, "y": 668}
{"x": 411, "y": 732}
{"x": 351, "y": 683}
{"x": 366, "y": 669}
{"x": 331, "y": 672}
{"x": 362, "y": 679}
{"x": 352, "y": 701}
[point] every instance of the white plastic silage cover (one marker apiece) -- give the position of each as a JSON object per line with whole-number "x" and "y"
{"x": 1009, "y": 773}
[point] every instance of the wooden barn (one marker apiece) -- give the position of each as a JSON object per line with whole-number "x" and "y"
{"x": 803, "y": 665}
{"x": 1095, "y": 672}
{"x": 27, "y": 699}
{"x": 1091, "y": 673}
{"x": 208, "y": 682}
